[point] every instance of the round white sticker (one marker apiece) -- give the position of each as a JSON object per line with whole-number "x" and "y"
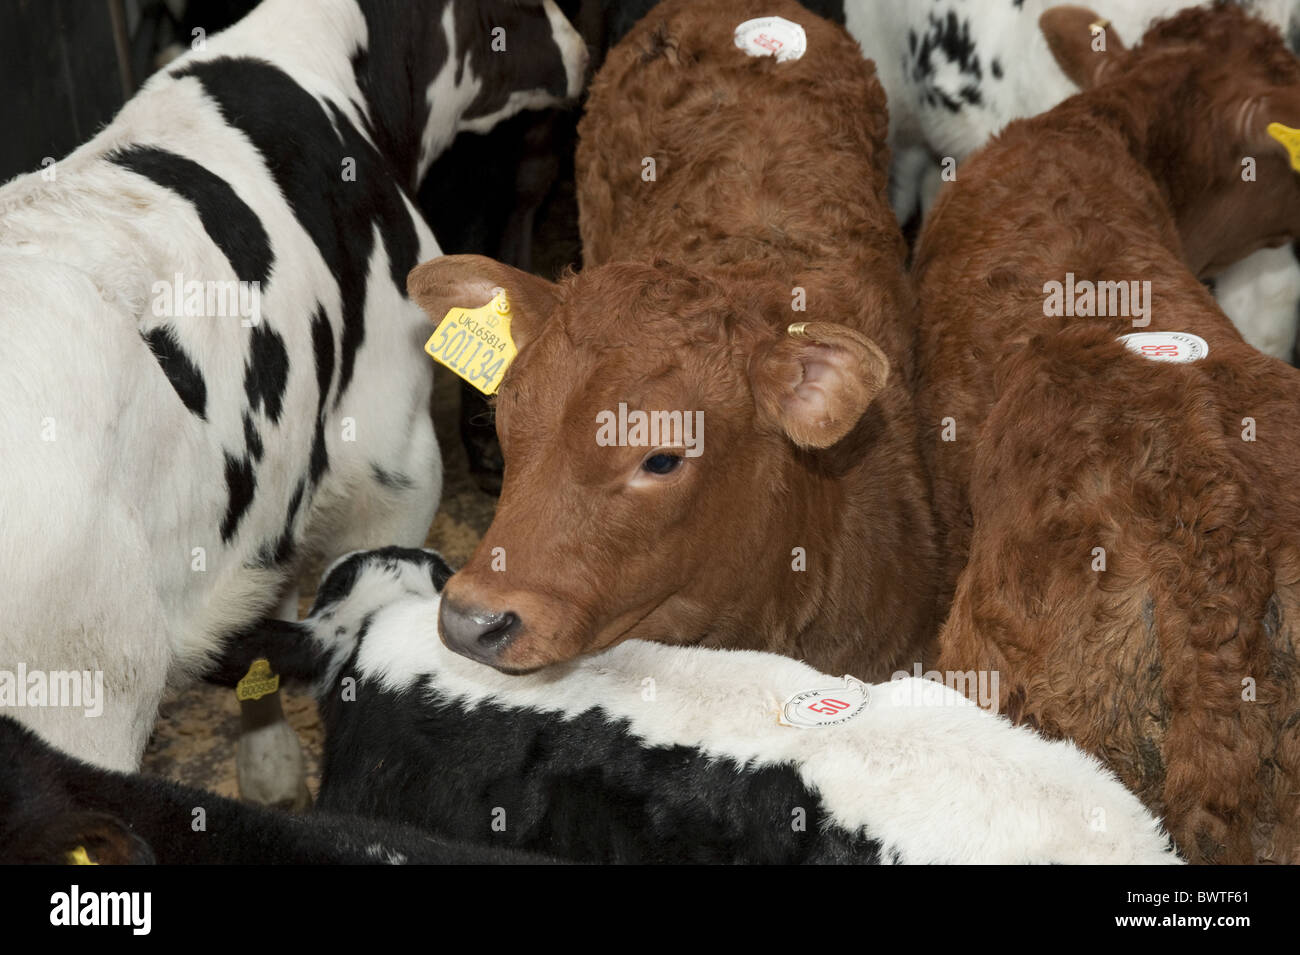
{"x": 1166, "y": 346}
{"x": 772, "y": 36}
{"x": 813, "y": 708}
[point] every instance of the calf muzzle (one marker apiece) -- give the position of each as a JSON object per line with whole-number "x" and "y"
{"x": 479, "y": 634}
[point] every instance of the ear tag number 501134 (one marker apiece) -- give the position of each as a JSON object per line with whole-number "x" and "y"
{"x": 475, "y": 343}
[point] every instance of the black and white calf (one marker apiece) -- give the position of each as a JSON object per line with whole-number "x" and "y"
{"x": 671, "y": 754}
{"x": 957, "y": 71}
{"x": 210, "y": 371}
{"x": 54, "y": 808}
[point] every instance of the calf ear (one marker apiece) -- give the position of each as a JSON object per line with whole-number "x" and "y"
{"x": 1084, "y": 43}
{"x": 817, "y": 381}
{"x": 468, "y": 281}
{"x": 1273, "y": 123}
{"x": 82, "y": 837}
{"x": 289, "y": 646}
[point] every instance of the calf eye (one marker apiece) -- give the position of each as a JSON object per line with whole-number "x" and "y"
{"x": 661, "y": 463}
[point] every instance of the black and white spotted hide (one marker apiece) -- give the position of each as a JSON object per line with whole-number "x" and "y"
{"x": 211, "y": 374}
{"x": 653, "y": 753}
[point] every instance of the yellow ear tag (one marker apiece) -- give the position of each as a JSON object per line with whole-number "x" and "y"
{"x": 1290, "y": 138}
{"x": 258, "y": 682}
{"x": 79, "y": 856}
{"x": 475, "y": 343}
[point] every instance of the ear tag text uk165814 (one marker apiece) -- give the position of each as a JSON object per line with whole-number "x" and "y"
{"x": 475, "y": 343}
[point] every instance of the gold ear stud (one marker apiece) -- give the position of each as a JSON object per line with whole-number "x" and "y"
{"x": 1099, "y": 25}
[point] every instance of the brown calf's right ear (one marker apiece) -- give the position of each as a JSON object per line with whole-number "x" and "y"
{"x": 1084, "y": 43}
{"x": 468, "y": 281}
{"x": 817, "y": 381}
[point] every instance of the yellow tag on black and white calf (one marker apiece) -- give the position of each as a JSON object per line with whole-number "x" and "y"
{"x": 79, "y": 856}
{"x": 258, "y": 682}
{"x": 815, "y": 708}
{"x": 475, "y": 343}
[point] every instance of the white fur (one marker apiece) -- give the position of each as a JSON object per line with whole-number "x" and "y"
{"x": 922, "y": 769}
{"x": 572, "y": 48}
{"x": 100, "y": 524}
{"x": 389, "y": 856}
{"x": 1261, "y": 294}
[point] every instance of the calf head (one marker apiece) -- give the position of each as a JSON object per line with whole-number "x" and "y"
{"x": 658, "y": 428}
{"x": 486, "y": 59}
{"x": 359, "y": 583}
{"x": 351, "y": 591}
{"x": 1204, "y": 91}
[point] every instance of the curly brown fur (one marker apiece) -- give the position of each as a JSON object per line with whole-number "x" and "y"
{"x": 769, "y": 177}
{"x": 757, "y": 162}
{"x": 1176, "y": 663}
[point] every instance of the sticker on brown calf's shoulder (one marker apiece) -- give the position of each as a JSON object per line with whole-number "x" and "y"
{"x": 1179, "y": 347}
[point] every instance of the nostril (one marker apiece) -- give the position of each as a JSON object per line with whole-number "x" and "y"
{"x": 497, "y": 630}
{"x": 475, "y": 632}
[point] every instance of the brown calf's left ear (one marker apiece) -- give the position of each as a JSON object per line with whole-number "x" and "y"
{"x": 817, "y": 381}
{"x": 1084, "y": 43}
{"x": 468, "y": 281}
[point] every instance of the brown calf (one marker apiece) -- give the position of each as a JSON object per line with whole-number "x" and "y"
{"x": 1132, "y": 525}
{"x": 719, "y": 193}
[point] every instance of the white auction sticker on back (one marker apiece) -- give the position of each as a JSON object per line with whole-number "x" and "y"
{"x": 813, "y": 708}
{"x": 772, "y": 36}
{"x": 1166, "y": 346}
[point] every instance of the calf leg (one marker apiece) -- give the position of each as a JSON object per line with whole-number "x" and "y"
{"x": 269, "y": 762}
{"x": 391, "y": 502}
{"x": 95, "y": 656}
{"x": 112, "y": 732}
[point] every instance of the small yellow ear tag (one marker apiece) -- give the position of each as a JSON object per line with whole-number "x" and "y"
{"x": 258, "y": 682}
{"x": 475, "y": 343}
{"x": 1290, "y": 138}
{"x": 79, "y": 856}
